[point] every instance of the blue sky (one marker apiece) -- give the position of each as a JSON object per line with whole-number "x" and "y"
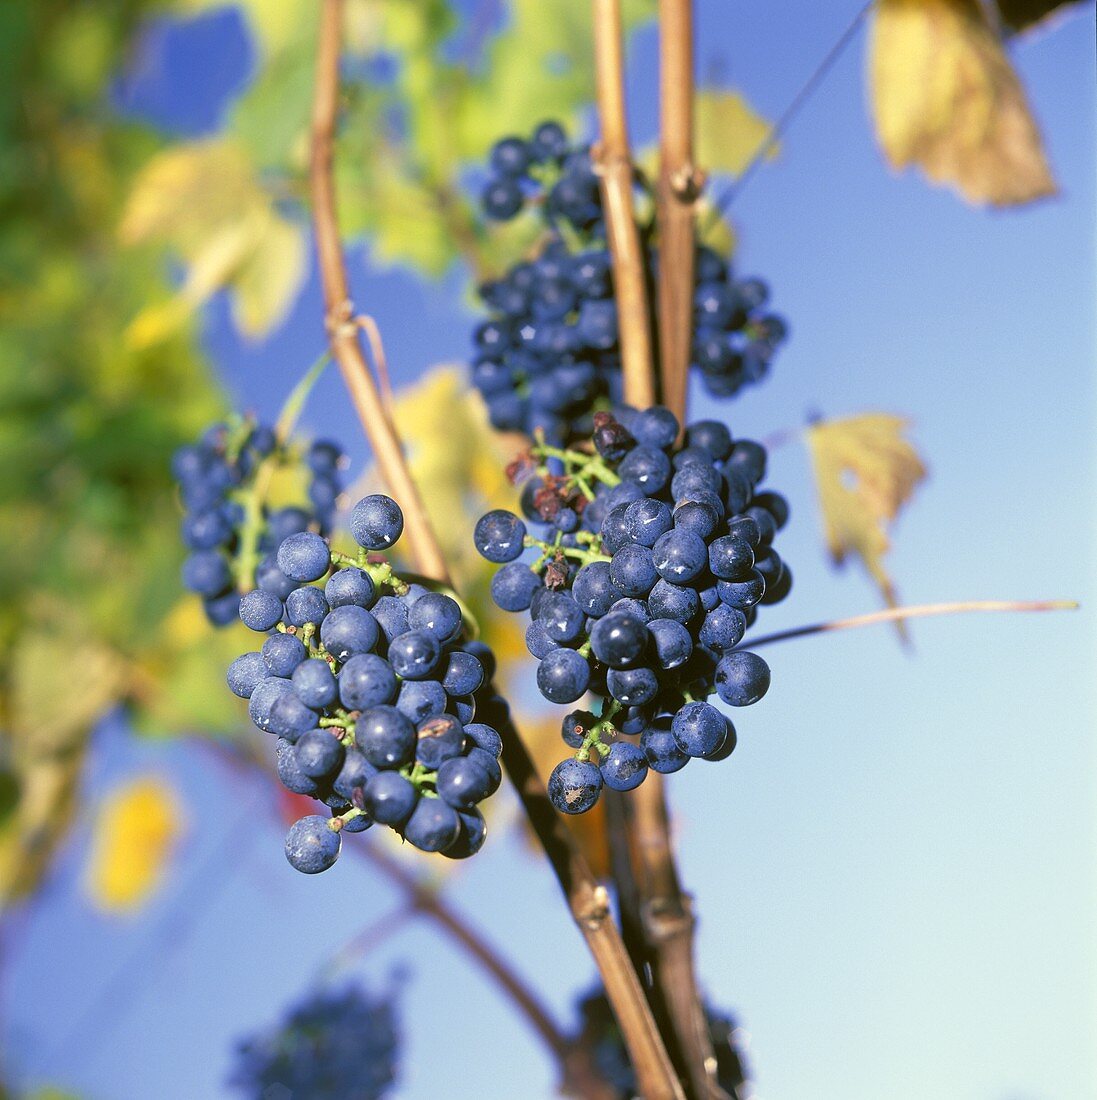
{"x": 895, "y": 872}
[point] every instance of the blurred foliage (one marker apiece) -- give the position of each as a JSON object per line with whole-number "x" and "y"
{"x": 946, "y": 98}
{"x": 865, "y": 472}
{"x": 136, "y": 830}
{"x": 206, "y": 203}
{"x": 102, "y": 377}
{"x": 87, "y": 423}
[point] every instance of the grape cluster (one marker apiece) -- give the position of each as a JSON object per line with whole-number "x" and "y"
{"x": 230, "y": 533}
{"x": 373, "y": 695}
{"x": 600, "y": 1033}
{"x": 657, "y": 558}
{"x": 548, "y": 355}
{"x": 334, "y": 1045}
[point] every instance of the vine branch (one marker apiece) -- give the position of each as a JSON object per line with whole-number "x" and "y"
{"x": 679, "y": 185}
{"x": 343, "y": 333}
{"x": 917, "y": 611}
{"x": 586, "y": 899}
{"x": 614, "y": 165}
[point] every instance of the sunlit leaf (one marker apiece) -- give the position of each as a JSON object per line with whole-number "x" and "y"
{"x": 205, "y": 201}
{"x": 729, "y": 132}
{"x": 135, "y": 833}
{"x": 946, "y": 98}
{"x": 1023, "y": 15}
{"x": 865, "y": 472}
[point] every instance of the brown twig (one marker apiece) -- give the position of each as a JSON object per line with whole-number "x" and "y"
{"x": 918, "y": 611}
{"x": 589, "y": 905}
{"x": 614, "y": 166}
{"x": 586, "y": 899}
{"x": 679, "y": 186}
{"x": 339, "y": 320}
{"x": 380, "y": 362}
{"x": 666, "y": 916}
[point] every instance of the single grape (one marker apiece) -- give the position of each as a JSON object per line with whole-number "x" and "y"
{"x": 414, "y": 655}
{"x": 366, "y": 680}
{"x": 742, "y": 678}
{"x": 563, "y": 676}
{"x": 574, "y": 786}
{"x": 312, "y": 845}
{"x": 245, "y": 673}
{"x": 282, "y": 653}
{"x": 390, "y": 798}
{"x": 625, "y": 768}
{"x": 319, "y": 754}
{"x": 349, "y": 630}
{"x": 433, "y": 825}
{"x": 260, "y": 611}
{"x": 385, "y": 737}
{"x": 376, "y": 522}
{"x": 350, "y": 586}
{"x": 304, "y": 557}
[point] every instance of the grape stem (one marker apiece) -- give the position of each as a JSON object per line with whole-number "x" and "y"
{"x": 916, "y": 611}
{"x": 343, "y": 332}
{"x": 613, "y": 163}
{"x": 665, "y": 914}
{"x": 587, "y": 900}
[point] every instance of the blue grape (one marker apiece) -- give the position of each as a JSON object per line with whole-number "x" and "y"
{"x": 462, "y": 782}
{"x": 742, "y": 678}
{"x": 437, "y": 613}
{"x": 312, "y": 845}
{"x": 499, "y": 536}
{"x": 260, "y": 611}
{"x": 661, "y": 749}
{"x": 472, "y": 836}
{"x": 415, "y": 654}
{"x": 207, "y": 573}
{"x": 563, "y": 676}
{"x": 419, "y": 699}
{"x": 306, "y": 605}
{"x": 385, "y": 737}
{"x": 618, "y": 639}
{"x": 699, "y": 729}
{"x": 282, "y": 653}
{"x": 672, "y": 642}
{"x": 574, "y": 786}
{"x": 463, "y": 674}
{"x": 440, "y": 737}
{"x": 315, "y": 684}
{"x": 433, "y": 825}
{"x": 390, "y": 797}
{"x": 350, "y": 586}
{"x": 318, "y": 753}
{"x": 245, "y": 673}
{"x": 625, "y": 768}
{"x": 376, "y": 522}
{"x": 366, "y": 680}
{"x": 304, "y": 557}
{"x": 349, "y": 630}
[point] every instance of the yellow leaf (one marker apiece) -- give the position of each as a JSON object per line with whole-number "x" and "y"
{"x": 50, "y": 716}
{"x": 266, "y": 285}
{"x": 946, "y": 97}
{"x": 729, "y": 132}
{"x": 134, "y": 836}
{"x": 457, "y": 461}
{"x": 204, "y": 201}
{"x": 865, "y": 471}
